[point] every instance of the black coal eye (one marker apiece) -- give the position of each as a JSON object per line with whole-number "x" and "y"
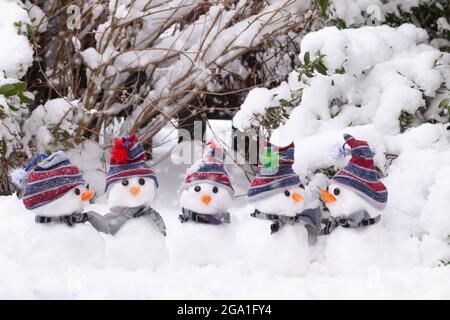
{"x": 87, "y": 186}
{"x": 197, "y": 188}
{"x": 215, "y": 189}
{"x": 287, "y": 193}
{"x": 125, "y": 182}
{"x": 301, "y": 186}
{"x": 141, "y": 181}
{"x": 77, "y": 191}
{"x": 336, "y": 191}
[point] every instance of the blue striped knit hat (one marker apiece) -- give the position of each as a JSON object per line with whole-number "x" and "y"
{"x": 360, "y": 174}
{"x": 274, "y": 171}
{"x": 49, "y": 180}
{"x": 128, "y": 159}
{"x": 210, "y": 169}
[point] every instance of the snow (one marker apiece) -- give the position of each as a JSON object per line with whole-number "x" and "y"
{"x": 387, "y": 71}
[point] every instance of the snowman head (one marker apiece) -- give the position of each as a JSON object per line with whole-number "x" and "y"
{"x": 55, "y": 187}
{"x": 130, "y": 181}
{"x": 132, "y": 192}
{"x": 356, "y": 186}
{"x": 341, "y": 201}
{"x": 286, "y": 201}
{"x": 71, "y": 202}
{"x": 205, "y": 197}
{"x": 207, "y": 186}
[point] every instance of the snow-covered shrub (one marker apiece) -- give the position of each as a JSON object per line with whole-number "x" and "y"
{"x": 388, "y": 86}
{"x": 16, "y": 56}
{"x": 140, "y": 62}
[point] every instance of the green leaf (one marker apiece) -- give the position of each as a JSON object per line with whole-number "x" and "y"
{"x": 324, "y": 4}
{"x": 13, "y": 89}
{"x": 307, "y": 57}
{"x": 3, "y": 147}
{"x": 445, "y": 103}
{"x": 321, "y": 68}
{"x": 24, "y": 99}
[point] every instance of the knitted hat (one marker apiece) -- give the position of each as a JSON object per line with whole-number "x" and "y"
{"x": 274, "y": 171}
{"x": 49, "y": 180}
{"x": 128, "y": 160}
{"x": 360, "y": 175}
{"x": 209, "y": 169}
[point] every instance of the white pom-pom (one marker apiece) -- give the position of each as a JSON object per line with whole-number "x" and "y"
{"x": 338, "y": 152}
{"x": 19, "y": 177}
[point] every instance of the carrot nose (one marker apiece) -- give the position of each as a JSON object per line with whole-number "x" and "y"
{"x": 326, "y": 196}
{"x": 206, "y": 199}
{"x": 296, "y": 197}
{"x": 86, "y": 196}
{"x": 135, "y": 191}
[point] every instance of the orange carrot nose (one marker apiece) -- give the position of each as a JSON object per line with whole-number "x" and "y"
{"x": 135, "y": 191}
{"x": 326, "y": 196}
{"x": 206, "y": 199}
{"x": 86, "y": 196}
{"x": 296, "y": 197}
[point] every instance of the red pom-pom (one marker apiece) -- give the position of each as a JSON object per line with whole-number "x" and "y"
{"x": 119, "y": 153}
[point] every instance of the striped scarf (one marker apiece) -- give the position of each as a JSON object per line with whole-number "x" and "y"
{"x": 216, "y": 218}
{"x": 354, "y": 220}
{"x": 70, "y": 220}
{"x": 112, "y": 222}
{"x": 309, "y": 217}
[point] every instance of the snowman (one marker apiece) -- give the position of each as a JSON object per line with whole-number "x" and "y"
{"x": 136, "y": 230}
{"x": 55, "y": 192}
{"x": 355, "y": 198}
{"x": 278, "y": 235}
{"x": 205, "y": 235}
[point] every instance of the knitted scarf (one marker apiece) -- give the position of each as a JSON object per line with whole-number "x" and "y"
{"x": 70, "y": 220}
{"x": 112, "y": 222}
{"x": 311, "y": 218}
{"x": 215, "y": 218}
{"x": 354, "y": 220}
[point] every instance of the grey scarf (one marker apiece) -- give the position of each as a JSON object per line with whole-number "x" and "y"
{"x": 216, "y": 218}
{"x": 311, "y": 218}
{"x": 112, "y": 222}
{"x": 70, "y": 220}
{"x": 354, "y": 220}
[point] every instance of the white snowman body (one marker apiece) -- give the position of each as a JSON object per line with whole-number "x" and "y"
{"x": 56, "y": 245}
{"x": 199, "y": 243}
{"x": 286, "y": 252}
{"x": 139, "y": 243}
{"x": 353, "y": 250}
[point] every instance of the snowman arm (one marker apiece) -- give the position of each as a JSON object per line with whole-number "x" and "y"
{"x": 99, "y": 222}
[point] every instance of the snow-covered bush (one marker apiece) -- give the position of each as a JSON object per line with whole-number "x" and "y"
{"x": 140, "y": 62}
{"x": 382, "y": 84}
{"x": 16, "y": 56}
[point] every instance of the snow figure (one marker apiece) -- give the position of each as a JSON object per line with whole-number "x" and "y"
{"x": 279, "y": 237}
{"x": 355, "y": 198}
{"x": 205, "y": 236}
{"x": 55, "y": 192}
{"x": 137, "y": 231}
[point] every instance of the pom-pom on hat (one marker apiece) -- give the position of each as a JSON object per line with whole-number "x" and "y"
{"x": 128, "y": 160}
{"x": 360, "y": 174}
{"x": 274, "y": 171}
{"x": 49, "y": 180}
{"x": 209, "y": 169}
